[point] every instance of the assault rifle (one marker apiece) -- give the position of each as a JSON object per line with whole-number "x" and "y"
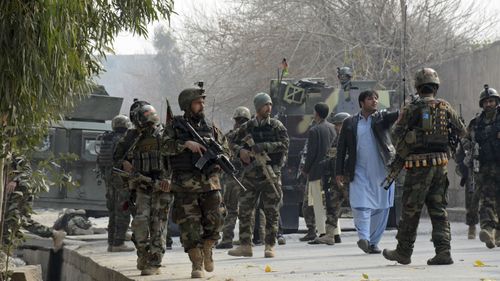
{"x": 213, "y": 154}
{"x": 395, "y": 167}
{"x": 261, "y": 160}
{"x": 132, "y": 177}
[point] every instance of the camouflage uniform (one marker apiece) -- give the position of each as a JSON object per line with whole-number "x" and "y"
{"x": 484, "y": 130}
{"x": 472, "y": 192}
{"x": 76, "y": 222}
{"x": 307, "y": 210}
{"x": 198, "y": 208}
{"x": 272, "y": 137}
{"x": 141, "y": 147}
{"x": 337, "y": 194}
{"x": 422, "y": 137}
{"x": 230, "y": 199}
{"x": 19, "y": 203}
{"x": 117, "y": 192}
{"x": 197, "y": 205}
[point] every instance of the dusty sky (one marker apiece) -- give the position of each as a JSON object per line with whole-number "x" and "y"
{"x": 127, "y": 43}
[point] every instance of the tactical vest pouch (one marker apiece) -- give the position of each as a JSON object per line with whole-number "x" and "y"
{"x": 148, "y": 162}
{"x": 411, "y": 137}
{"x": 427, "y": 120}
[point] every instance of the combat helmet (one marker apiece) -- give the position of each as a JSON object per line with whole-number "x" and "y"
{"x": 339, "y": 117}
{"x": 187, "y": 96}
{"x": 133, "y": 108}
{"x": 426, "y": 76}
{"x": 120, "y": 121}
{"x": 144, "y": 115}
{"x": 344, "y": 70}
{"x": 488, "y": 93}
{"x": 242, "y": 112}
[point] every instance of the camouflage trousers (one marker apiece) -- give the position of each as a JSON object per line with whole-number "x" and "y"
{"x": 429, "y": 186}
{"x": 150, "y": 222}
{"x": 472, "y": 196}
{"x": 259, "y": 189}
{"x": 37, "y": 228}
{"x": 336, "y": 197}
{"x": 308, "y": 212}
{"x": 117, "y": 196}
{"x": 488, "y": 181}
{"x": 200, "y": 216}
{"x": 231, "y": 195}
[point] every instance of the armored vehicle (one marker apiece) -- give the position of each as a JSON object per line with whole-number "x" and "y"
{"x": 294, "y": 102}
{"x": 77, "y": 134}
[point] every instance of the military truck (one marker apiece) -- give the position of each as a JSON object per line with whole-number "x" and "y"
{"x": 294, "y": 102}
{"x": 77, "y": 134}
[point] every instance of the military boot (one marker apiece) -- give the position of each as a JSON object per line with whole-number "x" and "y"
{"x": 486, "y": 236}
{"x": 150, "y": 270}
{"x": 497, "y": 237}
{"x": 120, "y": 248}
{"x": 142, "y": 260}
{"x": 207, "y": 255}
{"x": 337, "y": 239}
{"x": 328, "y": 238}
{"x": 58, "y": 239}
{"x": 281, "y": 239}
{"x": 472, "y": 232}
{"x": 269, "y": 251}
{"x": 241, "y": 251}
{"x": 196, "y": 257}
{"x": 394, "y": 255}
{"x": 441, "y": 259}
{"x": 311, "y": 235}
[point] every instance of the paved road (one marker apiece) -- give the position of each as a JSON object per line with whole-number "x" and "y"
{"x": 300, "y": 261}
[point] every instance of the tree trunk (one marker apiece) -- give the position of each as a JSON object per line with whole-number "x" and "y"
{"x": 2, "y": 188}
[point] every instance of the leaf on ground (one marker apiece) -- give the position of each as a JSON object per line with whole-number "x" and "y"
{"x": 365, "y": 276}
{"x": 479, "y": 263}
{"x": 267, "y": 268}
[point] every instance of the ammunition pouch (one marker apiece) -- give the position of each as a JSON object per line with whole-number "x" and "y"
{"x": 148, "y": 162}
{"x": 426, "y": 160}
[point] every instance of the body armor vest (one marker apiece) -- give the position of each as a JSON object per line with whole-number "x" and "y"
{"x": 108, "y": 143}
{"x": 430, "y": 132}
{"x": 147, "y": 158}
{"x": 487, "y": 135}
{"x": 105, "y": 157}
{"x": 186, "y": 160}
{"x": 263, "y": 134}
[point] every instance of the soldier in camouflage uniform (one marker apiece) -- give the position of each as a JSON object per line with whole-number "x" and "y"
{"x": 337, "y": 194}
{"x": 138, "y": 153}
{"x": 269, "y": 138}
{"x": 19, "y": 203}
{"x": 231, "y": 188}
{"x": 76, "y": 222}
{"x": 472, "y": 193}
{"x": 198, "y": 202}
{"x": 307, "y": 210}
{"x": 484, "y": 133}
{"x": 422, "y": 135}
{"x": 117, "y": 192}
